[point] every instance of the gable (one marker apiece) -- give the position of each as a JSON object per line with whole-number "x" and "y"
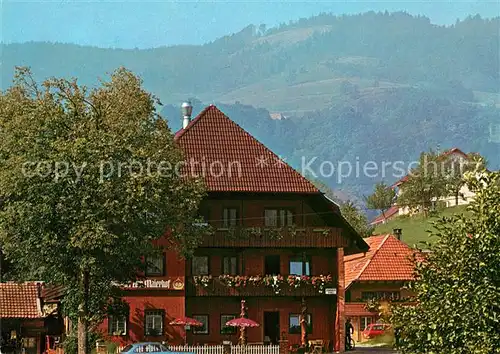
{"x": 388, "y": 259}
{"x": 231, "y": 160}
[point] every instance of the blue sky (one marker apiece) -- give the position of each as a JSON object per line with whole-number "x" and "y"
{"x": 147, "y": 24}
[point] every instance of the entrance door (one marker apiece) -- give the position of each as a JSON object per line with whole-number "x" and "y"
{"x": 272, "y": 326}
{"x": 272, "y": 265}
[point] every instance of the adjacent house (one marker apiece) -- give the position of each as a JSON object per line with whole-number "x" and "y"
{"x": 390, "y": 213}
{"x": 27, "y": 318}
{"x": 375, "y": 276}
{"x": 465, "y": 196}
{"x": 279, "y": 244}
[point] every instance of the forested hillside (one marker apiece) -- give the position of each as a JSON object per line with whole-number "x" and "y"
{"x": 374, "y": 86}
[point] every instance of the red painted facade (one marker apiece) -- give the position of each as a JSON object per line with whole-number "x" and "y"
{"x": 319, "y": 237}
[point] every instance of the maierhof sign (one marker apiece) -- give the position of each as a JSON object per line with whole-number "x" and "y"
{"x": 169, "y": 284}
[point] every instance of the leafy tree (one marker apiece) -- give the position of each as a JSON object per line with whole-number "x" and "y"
{"x": 425, "y": 184}
{"x": 457, "y": 285}
{"x": 87, "y": 187}
{"x": 455, "y": 170}
{"x": 381, "y": 199}
{"x": 356, "y": 218}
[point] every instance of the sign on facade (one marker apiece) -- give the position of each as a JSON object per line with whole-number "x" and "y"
{"x": 331, "y": 291}
{"x": 168, "y": 284}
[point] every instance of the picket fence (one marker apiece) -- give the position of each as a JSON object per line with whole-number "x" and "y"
{"x": 219, "y": 349}
{"x": 235, "y": 349}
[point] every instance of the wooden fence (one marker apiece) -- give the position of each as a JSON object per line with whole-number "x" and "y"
{"x": 235, "y": 349}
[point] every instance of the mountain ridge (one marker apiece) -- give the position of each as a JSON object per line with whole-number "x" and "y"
{"x": 372, "y": 86}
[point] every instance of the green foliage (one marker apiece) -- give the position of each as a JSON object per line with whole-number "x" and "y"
{"x": 457, "y": 285}
{"x": 412, "y": 99}
{"x": 382, "y": 198}
{"x": 103, "y": 200}
{"x": 70, "y": 343}
{"x": 416, "y": 228}
{"x": 425, "y": 184}
{"x": 356, "y": 218}
{"x": 455, "y": 170}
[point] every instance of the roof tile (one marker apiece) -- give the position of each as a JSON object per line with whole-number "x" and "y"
{"x": 19, "y": 300}
{"x": 388, "y": 259}
{"x": 231, "y": 160}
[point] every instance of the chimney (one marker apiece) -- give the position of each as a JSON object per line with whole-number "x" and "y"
{"x": 397, "y": 233}
{"x": 187, "y": 110}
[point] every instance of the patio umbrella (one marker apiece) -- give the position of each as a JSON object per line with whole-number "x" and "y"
{"x": 186, "y": 321}
{"x": 243, "y": 323}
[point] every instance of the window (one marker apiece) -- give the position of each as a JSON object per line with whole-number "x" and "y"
{"x": 29, "y": 342}
{"x": 230, "y": 265}
{"x": 300, "y": 265}
{"x": 380, "y": 295}
{"x": 294, "y": 323}
{"x": 199, "y": 265}
{"x": 278, "y": 217}
{"x": 365, "y": 321}
{"x": 153, "y": 322}
{"x": 155, "y": 266}
{"x": 203, "y": 329}
{"x": 272, "y": 264}
{"x": 227, "y": 329}
{"x": 117, "y": 325}
{"x": 230, "y": 217}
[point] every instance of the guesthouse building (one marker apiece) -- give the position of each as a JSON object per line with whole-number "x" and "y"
{"x": 278, "y": 243}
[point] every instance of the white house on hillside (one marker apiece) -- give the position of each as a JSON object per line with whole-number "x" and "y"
{"x": 465, "y": 195}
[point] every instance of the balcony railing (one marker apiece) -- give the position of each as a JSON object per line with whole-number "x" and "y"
{"x": 286, "y": 237}
{"x": 261, "y": 286}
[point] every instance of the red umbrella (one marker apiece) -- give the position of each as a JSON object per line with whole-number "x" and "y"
{"x": 186, "y": 321}
{"x": 242, "y": 322}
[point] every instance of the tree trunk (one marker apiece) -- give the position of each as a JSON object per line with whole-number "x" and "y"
{"x": 456, "y": 197}
{"x": 82, "y": 316}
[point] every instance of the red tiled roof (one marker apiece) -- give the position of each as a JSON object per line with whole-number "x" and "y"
{"x": 388, "y": 259}
{"x": 454, "y": 151}
{"x": 20, "y": 300}
{"x": 392, "y": 211}
{"x": 215, "y": 140}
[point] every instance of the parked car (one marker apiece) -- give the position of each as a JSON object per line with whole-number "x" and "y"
{"x": 376, "y": 329}
{"x": 149, "y": 347}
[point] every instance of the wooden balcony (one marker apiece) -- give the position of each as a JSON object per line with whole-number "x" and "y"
{"x": 216, "y": 287}
{"x": 259, "y": 237}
